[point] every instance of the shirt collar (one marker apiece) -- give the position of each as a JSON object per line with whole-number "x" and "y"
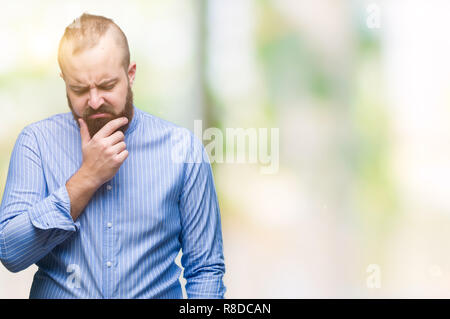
{"x": 134, "y": 120}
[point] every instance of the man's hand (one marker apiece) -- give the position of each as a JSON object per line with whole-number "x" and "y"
{"x": 102, "y": 156}
{"x": 104, "y": 152}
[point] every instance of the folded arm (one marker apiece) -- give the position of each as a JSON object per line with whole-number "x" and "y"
{"x": 32, "y": 222}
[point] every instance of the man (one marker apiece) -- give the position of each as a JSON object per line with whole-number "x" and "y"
{"x": 102, "y": 199}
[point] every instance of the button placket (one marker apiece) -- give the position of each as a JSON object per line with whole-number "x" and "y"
{"x": 109, "y": 256}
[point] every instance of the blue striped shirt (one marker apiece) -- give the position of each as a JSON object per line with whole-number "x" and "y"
{"x": 124, "y": 244}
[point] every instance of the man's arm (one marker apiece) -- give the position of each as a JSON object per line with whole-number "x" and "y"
{"x": 201, "y": 235}
{"x": 33, "y": 222}
{"x": 103, "y": 155}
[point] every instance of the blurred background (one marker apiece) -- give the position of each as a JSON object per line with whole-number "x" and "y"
{"x": 359, "y": 90}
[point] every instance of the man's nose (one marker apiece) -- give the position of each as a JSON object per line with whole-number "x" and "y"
{"x": 95, "y": 99}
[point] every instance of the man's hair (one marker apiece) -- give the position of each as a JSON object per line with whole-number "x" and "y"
{"x": 86, "y": 31}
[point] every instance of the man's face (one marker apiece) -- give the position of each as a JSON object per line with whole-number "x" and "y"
{"x": 97, "y": 85}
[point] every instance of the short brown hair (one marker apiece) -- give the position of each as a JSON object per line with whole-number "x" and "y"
{"x": 85, "y": 32}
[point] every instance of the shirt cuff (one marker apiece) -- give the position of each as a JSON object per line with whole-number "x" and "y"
{"x": 54, "y": 212}
{"x": 205, "y": 288}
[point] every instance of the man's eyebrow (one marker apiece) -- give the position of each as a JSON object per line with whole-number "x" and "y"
{"x": 77, "y": 86}
{"x": 108, "y": 81}
{"x": 103, "y": 83}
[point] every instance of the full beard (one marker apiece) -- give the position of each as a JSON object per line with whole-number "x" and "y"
{"x": 94, "y": 125}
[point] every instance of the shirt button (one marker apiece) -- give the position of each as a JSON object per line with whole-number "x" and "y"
{"x": 108, "y": 187}
{"x": 108, "y": 264}
{"x": 109, "y": 225}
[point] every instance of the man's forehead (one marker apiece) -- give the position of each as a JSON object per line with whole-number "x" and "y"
{"x": 94, "y": 64}
{"x": 88, "y": 71}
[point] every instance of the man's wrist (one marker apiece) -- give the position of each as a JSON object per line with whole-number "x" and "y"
{"x": 80, "y": 187}
{"x": 87, "y": 179}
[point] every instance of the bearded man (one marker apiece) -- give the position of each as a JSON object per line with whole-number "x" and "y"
{"x": 96, "y": 198}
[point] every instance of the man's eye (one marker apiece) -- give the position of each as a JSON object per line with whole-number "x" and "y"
{"x": 78, "y": 92}
{"x": 110, "y": 87}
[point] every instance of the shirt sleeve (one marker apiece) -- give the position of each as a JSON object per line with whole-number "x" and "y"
{"x": 32, "y": 222}
{"x": 201, "y": 235}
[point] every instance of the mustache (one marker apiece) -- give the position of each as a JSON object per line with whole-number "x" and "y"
{"x": 104, "y": 108}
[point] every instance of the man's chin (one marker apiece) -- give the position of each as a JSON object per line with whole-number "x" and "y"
{"x": 95, "y": 125}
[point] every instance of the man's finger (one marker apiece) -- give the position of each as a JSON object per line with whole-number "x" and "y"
{"x": 84, "y": 132}
{"x": 119, "y": 147}
{"x": 111, "y": 127}
{"x": 122, "y": 156}
{"x": 115, "y": 138}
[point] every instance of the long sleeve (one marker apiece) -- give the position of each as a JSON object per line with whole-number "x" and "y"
{"x": 32, "y": 222}
{"x": 201, "y": 235}
{"x": 125, "y": 243}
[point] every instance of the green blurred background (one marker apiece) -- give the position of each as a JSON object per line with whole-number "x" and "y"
{"x": 361, "y": 109}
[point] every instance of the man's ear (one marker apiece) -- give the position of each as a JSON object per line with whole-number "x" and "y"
{"x": 131, "y": 73}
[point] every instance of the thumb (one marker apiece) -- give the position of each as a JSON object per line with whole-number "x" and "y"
{"x": 84, "y": 132}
